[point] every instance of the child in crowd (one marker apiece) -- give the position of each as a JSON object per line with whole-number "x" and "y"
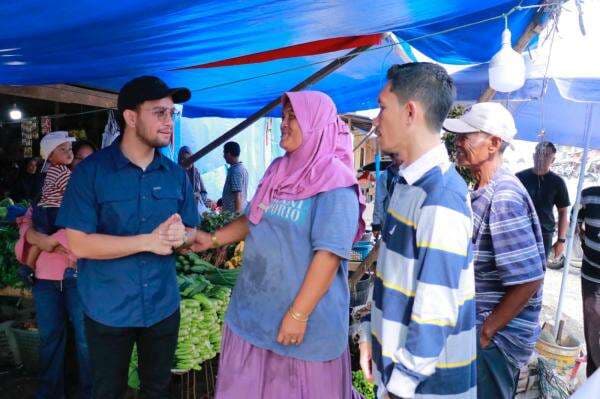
{"x": 55, "y": 148}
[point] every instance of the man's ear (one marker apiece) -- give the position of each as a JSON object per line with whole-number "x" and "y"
{"x": 130, "y": 117}
{"x": 411, "y": 110}
{"x": 495, "y": 145}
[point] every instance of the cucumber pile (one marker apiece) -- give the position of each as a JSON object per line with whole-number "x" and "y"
{"x": 200, "y": 327}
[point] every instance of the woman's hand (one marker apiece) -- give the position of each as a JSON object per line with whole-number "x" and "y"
{"x": 202, "y": 242}
{"x": 291, "y": 332}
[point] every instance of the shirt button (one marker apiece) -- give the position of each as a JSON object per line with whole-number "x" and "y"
{"x": 145, "y": 285}
{"x": 143, "y": 219}
{"x": 144, "y": 197}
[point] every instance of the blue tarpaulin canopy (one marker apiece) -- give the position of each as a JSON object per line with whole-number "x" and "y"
{"x": 563, "y": 83}
{"x": 103, "y": 44}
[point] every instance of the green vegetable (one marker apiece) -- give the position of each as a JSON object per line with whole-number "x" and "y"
{"x": 365, "y": 388}
{"x": 8, "y": 261}
{"x": 6, "y": 202}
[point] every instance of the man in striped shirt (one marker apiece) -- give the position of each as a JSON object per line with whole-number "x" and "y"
{"x": 421, "y": 333}
{"x": 509, "y": 250}
{"x": 589, "y": 227}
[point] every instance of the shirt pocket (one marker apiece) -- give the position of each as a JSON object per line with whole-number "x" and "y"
{"x": 166, "y": 202}
{"x": 118, "y": 212}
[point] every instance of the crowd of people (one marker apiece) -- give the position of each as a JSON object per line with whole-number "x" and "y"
{"x": 454, "y": 311}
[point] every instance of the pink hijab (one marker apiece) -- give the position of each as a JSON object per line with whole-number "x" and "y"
{"x": 323, "y": 162}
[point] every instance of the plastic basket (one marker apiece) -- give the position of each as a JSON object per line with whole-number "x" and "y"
{"x": 360, "y": 294}
{"x": 9, "y": 353}
{"x": 360, "y": 250}
{"x": 28, "y": 342}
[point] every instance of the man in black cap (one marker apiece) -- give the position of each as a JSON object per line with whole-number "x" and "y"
{"x": 125, "y": 210}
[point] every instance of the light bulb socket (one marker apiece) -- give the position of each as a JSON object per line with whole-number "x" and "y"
{"x": 506, "y": 37}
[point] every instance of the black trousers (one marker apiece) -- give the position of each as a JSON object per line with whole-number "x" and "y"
{"x": 110, "y": 352}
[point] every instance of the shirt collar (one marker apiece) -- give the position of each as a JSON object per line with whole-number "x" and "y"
{"x": 437, "y": 156}
{"x": 120, "y": 161}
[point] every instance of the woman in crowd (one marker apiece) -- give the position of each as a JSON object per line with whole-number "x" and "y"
{"x": 286, "y": 329}
{"x": 194, "y": 175}
{"x": 56, "y": 303}
{"x": 28, "y": 184}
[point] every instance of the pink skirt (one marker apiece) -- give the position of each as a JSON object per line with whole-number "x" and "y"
{"x": 249, "y": 372}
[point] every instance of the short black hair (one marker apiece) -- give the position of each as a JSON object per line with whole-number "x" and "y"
{"x": 546, "y": 145}
{"x": 232, "y": 148}
{"x": 427, "y": 83}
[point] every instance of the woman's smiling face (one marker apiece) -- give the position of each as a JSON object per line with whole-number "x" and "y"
{"x": 291, "y": 133}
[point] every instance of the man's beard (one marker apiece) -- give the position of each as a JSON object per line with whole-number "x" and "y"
{"x": 155, "y": 142}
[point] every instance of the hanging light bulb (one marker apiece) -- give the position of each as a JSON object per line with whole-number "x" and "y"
{"x": 15, "y": 113}
{"x": 507, "y": 67}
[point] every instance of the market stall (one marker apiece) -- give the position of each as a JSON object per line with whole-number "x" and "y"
{"x": 223, "y": 68}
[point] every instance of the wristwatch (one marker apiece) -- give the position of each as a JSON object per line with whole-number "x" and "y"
{"x": 561, "y": 240}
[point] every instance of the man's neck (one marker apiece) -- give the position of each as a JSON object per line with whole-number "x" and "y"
{"x": 541, "y": 171}
{"x": 419, "y": 147}
{"x": 484, "y": 174}
{"x": 138, "y": 152}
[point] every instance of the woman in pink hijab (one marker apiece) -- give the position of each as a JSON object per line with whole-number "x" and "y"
{"x": 286, "y": 329}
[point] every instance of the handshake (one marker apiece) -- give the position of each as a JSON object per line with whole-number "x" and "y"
{"x": 170, "y": 235}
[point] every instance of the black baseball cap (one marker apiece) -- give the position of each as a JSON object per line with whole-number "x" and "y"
{"x": 148, "y": 88}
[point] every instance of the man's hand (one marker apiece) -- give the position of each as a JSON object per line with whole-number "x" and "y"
{"x": 558, "y": 248}
{"x": 487, "y": 333}
{"x": 202, "y": 242}
{"x": 169, "y": 234}
{"x": 366, "y": 356}
{"x": 173, "y": 230}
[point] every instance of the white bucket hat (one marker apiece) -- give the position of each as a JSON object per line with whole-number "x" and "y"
{"x": 52, "y": 140}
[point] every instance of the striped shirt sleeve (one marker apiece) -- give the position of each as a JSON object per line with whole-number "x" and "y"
{"x": 443, "y": 240}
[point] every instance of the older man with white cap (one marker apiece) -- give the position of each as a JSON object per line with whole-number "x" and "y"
{"x": 508, "y": 246}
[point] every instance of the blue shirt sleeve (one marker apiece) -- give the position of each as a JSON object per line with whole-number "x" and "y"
{"x": 188, "y": 208}
{"x": 381, "y": 193}
{"x": 79, "y": 206}
{"x": 335, "y": 221}
{"x": 514, "y": 242}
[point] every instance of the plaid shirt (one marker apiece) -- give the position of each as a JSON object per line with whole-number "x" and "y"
{"x": 509, "y": 250}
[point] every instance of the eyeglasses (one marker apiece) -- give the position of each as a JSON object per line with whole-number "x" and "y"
{"x": 163, "y": 113}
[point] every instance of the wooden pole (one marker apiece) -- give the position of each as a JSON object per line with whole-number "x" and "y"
{"x": 274, "y": 103}
{"x": 537, "y": 24}
{"x": 64, "y": 94}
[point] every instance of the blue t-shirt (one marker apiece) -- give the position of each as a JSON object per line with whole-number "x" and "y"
{"x": 278, "y": 253}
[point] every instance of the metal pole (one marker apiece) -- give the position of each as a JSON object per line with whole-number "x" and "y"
{"x": 315, "y": 77}
{"x": 573, "y": 221}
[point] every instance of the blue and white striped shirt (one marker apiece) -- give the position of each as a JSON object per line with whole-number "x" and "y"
{"x": 423, "y": 307}
{"x": 509, "y": 250}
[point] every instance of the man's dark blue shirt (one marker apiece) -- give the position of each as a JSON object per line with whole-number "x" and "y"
{"x": 107, "y": 194}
